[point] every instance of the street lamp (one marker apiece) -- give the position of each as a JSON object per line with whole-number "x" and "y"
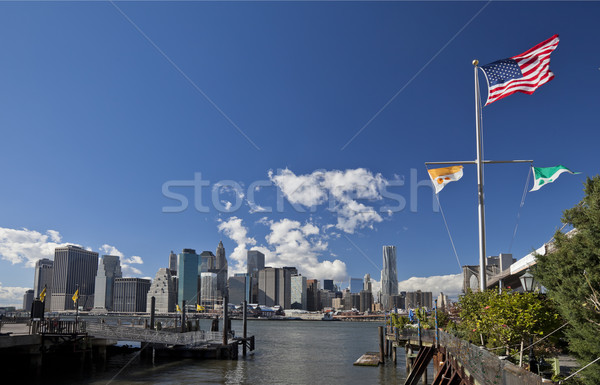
{"x": 528, "y": 283}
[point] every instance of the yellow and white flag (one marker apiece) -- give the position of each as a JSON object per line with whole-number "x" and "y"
{"x": 440, "y": 177}
{"x": 177, "y": 307}
{"x": 75, "y": 296}
{"x": 199, "y": 307}
{"x": 43, "y": 295}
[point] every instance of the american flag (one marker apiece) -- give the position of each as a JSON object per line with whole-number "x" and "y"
{"x": 521, "y": 73}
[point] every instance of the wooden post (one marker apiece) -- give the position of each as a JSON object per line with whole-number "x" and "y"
{"x": 408, "y": 358}
{"x": 381, "y": 353}
{"x": 183, "y": 316}
{"x": 385, "y": 343}
{"x": 152, "y": 311}
{"x": 225, "y": 330}
{"x": 394, "y": 355}
{"x": 245, "y": 322}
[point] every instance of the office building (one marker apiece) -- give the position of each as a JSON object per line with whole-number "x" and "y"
{"x": 312, "y": 295}
{"x": 207, "y": 261}
{"x": 240, "y": 288}
{"x": 367, "y": 285}
{"x": 443, "y": 302}
{"x": 398, "y": 301}
{"x": 173, "y": 263}
{"x": 366, "y": 301}
{"x": 164, "y": 291}
{"x": 389, "y": 276}
{"x": 298, "y": 296}
{"x": 130, "y": 295}
{"x": 337, "y": 304}
{"x": 109, "y": 268}
{"x": 74, "y": 269}
{"x": 328, "y": 284}
{"x": 274, "y": 287}
{"x": 188, "y": 277}
{"x": 355, "y": 285}
{"x": 44, "y": 268}
{"x": 28, "y": 300}
{"x": 255, "y": 262}
{"x": 418, "y": 299}
{"x": 355, "y": 298}
{"x": 208, "y": 289}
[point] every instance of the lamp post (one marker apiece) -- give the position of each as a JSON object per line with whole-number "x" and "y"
{"x": 528, "y": 284}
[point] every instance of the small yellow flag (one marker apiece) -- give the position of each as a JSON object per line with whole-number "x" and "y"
{"x": 177, "y": 307}
{"x": 199, "y": 308}
{"x": 76, "y": 295}
{"x": 43, "y": 295}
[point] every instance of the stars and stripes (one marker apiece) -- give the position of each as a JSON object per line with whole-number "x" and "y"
{"x": 522, "y": 73}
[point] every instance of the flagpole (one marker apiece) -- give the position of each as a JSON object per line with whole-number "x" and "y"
{"x": 479, "y": 161}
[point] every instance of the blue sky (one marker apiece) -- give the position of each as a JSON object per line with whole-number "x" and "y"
{"x": 105, "y": 104}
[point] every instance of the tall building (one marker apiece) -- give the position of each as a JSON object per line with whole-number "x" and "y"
{"x": 240, "y": 287}
{"x": 366, "y": 300}
{"x": 298, "y": 292}
{"x": 327, "y": 298}
{"x": 173, "y": 263}
{"x": 164, "y": 291}
{"x": 221, "y": 260}
{"x": 313, "y": 302}
{"x": 255, "y": 262}
{"x": 130, "y": 295}
{"x": 328, "y": 284}
{"x": 221, "y": 270}
{"x": 443, "y": 302}
{"x": 28, "y": 300}
{"x": 389, "y": 276}
{"x": 208, "y": 289}
{"x": 189, "y": 279}
{"x": 74, "y": 268}
{"x": 355, "y": 285}
{"x": 367, "y": 285}
{"x": 207, "y": 261}
{"x": 274, "y": 287}
{"x": 44, "y": 268}
{"x": 417, "y": 299}
{"x": 109, "y": 268}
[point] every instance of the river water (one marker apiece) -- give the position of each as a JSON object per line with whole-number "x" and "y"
{"x": 287, "y": 352}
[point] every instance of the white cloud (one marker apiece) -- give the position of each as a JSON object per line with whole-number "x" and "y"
{"x": 234, "y": 229}
{"x": 134, "y": 259}
{"x": 342, "y": 189}
{"x": 111, "y": 250}
{"x": 28, "y": 246}
{"x": 289, "y": 243}
{"x": 12, "y": 296}
{"x": 450, "y": 285}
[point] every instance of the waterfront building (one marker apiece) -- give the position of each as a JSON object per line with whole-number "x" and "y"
{"x": 173, "y": 263}
{"x": 240, "y": 288}
{"x": 274, "y": 287}
{"x": 28, "y": 300}
{"x": 417, "y": 299}
{"x": 367, "y": 285}
{"x": 164, "y": 291}
{"x": 255, "y": 262}
{"x": 355, "y": 298}
{"x": 347, "y": 299}
{"x": 208, "y": 290}
{"x": 298, "y": 296}
{"x": 74, "y": 269}
{"x": 221, "y": 269}
{"x": 130, "y": 295}
{"x": 189, "y": 280}
{"x": 366, "y": 301}
{"x": 389, "y": 276}
{"x": 327, "y": 298}
{"x": 44, "y": 268}
{"x": 328, "y": 284}
{"x": 109, "y": 268}
{"x": 355, "y": 285}
{"x": 312, "y": 295}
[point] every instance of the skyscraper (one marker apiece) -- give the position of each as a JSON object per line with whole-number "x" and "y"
{"x": 221, "y": 270}
{"x": 255, "y": 262}
{"x": 313, "y": 301}
{"x": 109, "y": 268}
{"x": 389, "y": 276}
{"x": 274, "y": 287}
{"x": 240, "y": 288}
{"x": 367, "y": 285}
{"x": 328, "y": 284}
{"x": 74, "y": 269}
{"x": 355, "y": 285}
{"x": 44, "y": 268}
{"x": 28, "y": 300}
{"x": 208, "y": 291}
{"x": 189, "y": 279}
{"x": 298, "y": 292}
{"x": 164, "y": 291}
{"x": 207, "y": 261}
{"x": 130, "y": 294}
{"x": 173, "y": 263}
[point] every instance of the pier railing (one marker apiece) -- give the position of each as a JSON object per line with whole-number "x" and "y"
{"x": 128, "y": 333}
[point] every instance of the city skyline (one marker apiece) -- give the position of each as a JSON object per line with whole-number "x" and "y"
{"x": 296, "y": 129}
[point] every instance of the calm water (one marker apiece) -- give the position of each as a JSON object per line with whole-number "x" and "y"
{"x": 290, "y": 352}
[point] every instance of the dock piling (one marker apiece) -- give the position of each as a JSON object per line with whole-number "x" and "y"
{"x": 381, "y": 352}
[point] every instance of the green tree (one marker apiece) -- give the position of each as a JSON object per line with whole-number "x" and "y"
{"x": 571, "y": 274}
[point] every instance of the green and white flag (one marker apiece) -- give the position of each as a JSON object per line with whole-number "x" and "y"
{"x": 545, "y": 175}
